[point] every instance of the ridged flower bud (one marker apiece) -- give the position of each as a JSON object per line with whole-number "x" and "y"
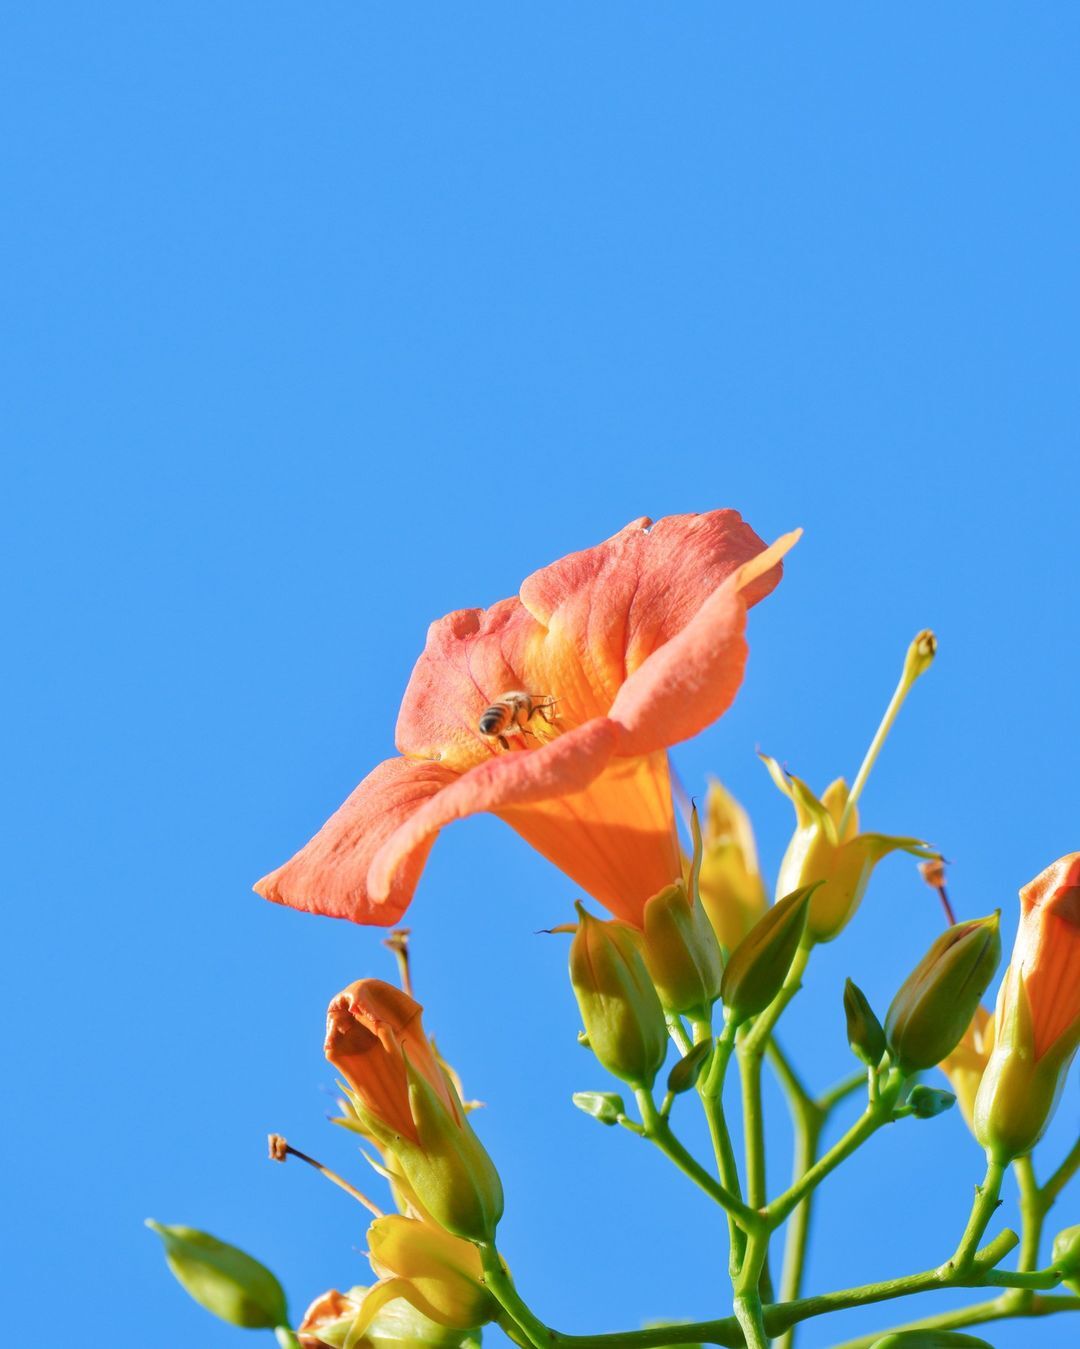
{"x": 841, "y": 860}
{"x": 1037, "y": 1019}
{"x": 406, "y": 1103}
{"x": 1065, "y": 1256}
{"x": 934, "y": 1005}
{"x": 731, "y": 886}
{"x": 758, "y": 966}
{"x": 681, "y": 951}
{"x": 223, "y": 1279}
{"x": 624, "y": 1021}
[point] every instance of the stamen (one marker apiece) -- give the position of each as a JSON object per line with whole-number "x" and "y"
{"x": 933, "y": 873}
{"x": 920, "y": 656}
{"x": 280, "y": 1149}
{"x": 398, "y": 942}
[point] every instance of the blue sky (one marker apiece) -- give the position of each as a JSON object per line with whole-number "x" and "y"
{"x": 325, "y": 319}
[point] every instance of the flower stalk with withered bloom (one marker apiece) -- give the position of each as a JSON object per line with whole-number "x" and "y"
{"x": 405, "y": 1102}
{"x": 1037, "y": 1018}
{"x": 603, "y": 661}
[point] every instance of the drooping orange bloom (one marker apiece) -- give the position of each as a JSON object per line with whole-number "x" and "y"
{"x": 1037, "y": 1019}
{"x": 634, "y": 645}
{"x": 372, "y": 1031}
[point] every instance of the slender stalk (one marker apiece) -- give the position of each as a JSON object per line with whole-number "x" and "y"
{"x": 286, "y": 1338}
{"x": 808, "y": 1125}
{"x": 658, "y": 1131}
{"x": 919, "y": 655}
{"x": 873, "y": 1117}
{"x": 1033, "y": 1207}
{"x": 987, "y": 1199}
{"x": 1061, "y": 1177}
{"x": 711, "y": 1093}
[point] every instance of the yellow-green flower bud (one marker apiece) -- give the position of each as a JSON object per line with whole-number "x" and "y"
{"x": 758, "y": 966}
{"x": 437, "y": 1273}
{"x": 1065, "y": 1257}
{"x": 730, "y": 883}
{"x": 936, "y": 1002}
{"x": 624, "y": 1021}
{"x": 864, "y": 1033}
{"x": 223, "y": 1279}
{"x": 681, "y": 951}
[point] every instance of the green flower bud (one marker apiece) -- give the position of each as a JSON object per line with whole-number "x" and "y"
{"x": 759, "y": 964}
{"x": 935, "y": 1004}
{"x": 681, "y": 951}
{"x": 686, "y": 1072}
{"x": 604, "y": 1106}
{"x": 926, "y": 1102}
{"x": 864, "y": 1033}
{"x": 622, "y": 1014}
{"x": 1065, "y": 1257}
{"x": 223, "y": 1279}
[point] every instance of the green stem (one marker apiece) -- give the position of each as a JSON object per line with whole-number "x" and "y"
{"x": 873, "y": 1117}
{"x": 711, "y": 1093}
{"x": 987, "y": 1198}
{"x": 286, "y": 1338}
{"x": 747, "y": 1305}
{"x": 502, "y": 1289}
{"x": 1033, "y": 1208}
{"x": 1061, "y": 1177}
{"x": 808, "y": 1124}
{"x": 658, "y": 1131}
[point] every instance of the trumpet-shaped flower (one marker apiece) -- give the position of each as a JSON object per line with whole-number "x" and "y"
{"x": 1037, "y": 1018}
{"x": 841, "y": 861}
{"x": 404, "y": 1101}
{"x": 621, "y": 651}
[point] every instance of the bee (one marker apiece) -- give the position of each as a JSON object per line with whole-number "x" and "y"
{"x": 513, "y": 712}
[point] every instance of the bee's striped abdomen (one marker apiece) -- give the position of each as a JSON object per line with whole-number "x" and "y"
{"x": 494, "y": 719}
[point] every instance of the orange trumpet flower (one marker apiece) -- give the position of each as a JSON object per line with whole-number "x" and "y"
{"x": 603, "y": 660}
{"x": 1037, "y": 1020}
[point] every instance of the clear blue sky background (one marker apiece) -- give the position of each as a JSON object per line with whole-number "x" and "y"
{"x": 323, "y": 319}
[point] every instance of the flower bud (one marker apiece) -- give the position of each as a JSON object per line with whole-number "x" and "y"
{"x": 730, "y": 884}
{"x": 604, "y": 1106}
{"x": 864, "y": 1033}
{"x": 1065, "y": 1256}
{"x": 331, "y": 1320}
{"x": 623, "y": 1018}
{"x": 405, "y": 1102}
{"x": 928, "y": 1102}
{"x": 438, "y": 1274}
{"x": 1037, "y": 1019}
{"x": 935, "y": 1003}
{"x": 223, "y": 1279}
{"x": 841, "y": 863}
{"x": 758, "y": 966}
{"x": 681, "y": 951}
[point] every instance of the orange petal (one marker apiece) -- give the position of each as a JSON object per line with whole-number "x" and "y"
{"x": 616, "y": 838}
{"x": 563, "y": 767}
{"x": 329, "y": 874}
{"x": 693, "y": 678}
{"x": 1048, "y": 950}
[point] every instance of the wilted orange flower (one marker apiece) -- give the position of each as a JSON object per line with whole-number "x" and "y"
{"x": 1037, "y": 1019}
{"x": 328, "y": 1310}
{"x": 632, "y": 646}
{"x": 371, "y": 1028}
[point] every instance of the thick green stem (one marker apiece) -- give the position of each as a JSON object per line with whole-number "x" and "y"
{"x": 1033, "y": 1208}
{"x": 987, "y": 1199}
{"x": 748, "y": 1308}
{"x": 502, "y": 1289}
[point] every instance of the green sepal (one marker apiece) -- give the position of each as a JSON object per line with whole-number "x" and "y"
{"x": 864, "y": 1032}
{"x": 229, "y": 1283}
{"x": 686, "y": 1072}
{"x": 605, "y": 1106}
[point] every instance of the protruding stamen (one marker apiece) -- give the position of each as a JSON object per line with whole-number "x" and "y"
{"x": 280, "y": 1149}
{"x": 398, "y": 942}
